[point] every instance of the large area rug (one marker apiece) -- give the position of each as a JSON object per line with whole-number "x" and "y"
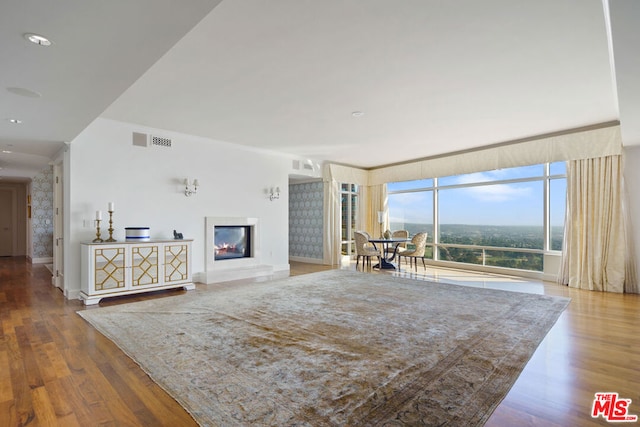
{"x": 339, "y": 348}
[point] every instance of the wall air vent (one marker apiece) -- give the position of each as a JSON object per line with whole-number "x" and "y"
{"x": 158, "y": 141}
{"x": 140, "y": 139}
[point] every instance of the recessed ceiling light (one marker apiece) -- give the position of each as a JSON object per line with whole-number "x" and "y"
{"x": 7, "y": 152}
{"x": 357, "y": 114}
{"x": 37, "y": 39}
{"x": 24, "y": 92}
{"x": 14, "y": 121}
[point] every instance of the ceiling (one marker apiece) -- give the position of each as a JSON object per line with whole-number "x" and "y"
{"x": 429, "y": 77}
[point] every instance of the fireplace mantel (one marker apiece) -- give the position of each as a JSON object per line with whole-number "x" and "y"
{"x": 238, "y": 268}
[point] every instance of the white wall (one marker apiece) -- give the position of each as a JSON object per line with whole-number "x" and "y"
{"x": 145, "y": 183}
{"x": 632, "y": 181}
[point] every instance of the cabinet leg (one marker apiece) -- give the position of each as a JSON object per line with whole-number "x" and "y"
{"x": 87, "y": 300}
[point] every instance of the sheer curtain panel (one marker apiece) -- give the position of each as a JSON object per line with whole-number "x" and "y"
{"x": 331, "y": 241}
{"x": 377, "y": 202}
{"x": 597, "y": 252}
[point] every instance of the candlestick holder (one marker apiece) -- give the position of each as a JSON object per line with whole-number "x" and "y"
{"x": 381, "y": 222}
{"x": 98, "y": 239}
{"x": 110, "y": 239}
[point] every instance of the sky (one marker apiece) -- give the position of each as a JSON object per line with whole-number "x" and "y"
{"x": 518, "y": 203}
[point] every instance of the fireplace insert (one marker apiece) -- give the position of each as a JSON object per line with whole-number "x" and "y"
{"x": 231, "y": 241}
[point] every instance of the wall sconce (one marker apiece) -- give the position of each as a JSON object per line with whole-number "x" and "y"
{"x": 274, "y": 194}
{"x": 190, "y": 188}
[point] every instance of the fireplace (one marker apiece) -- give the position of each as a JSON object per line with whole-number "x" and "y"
{"x": 232, "y": 248}
{"x": 231, "y": 242}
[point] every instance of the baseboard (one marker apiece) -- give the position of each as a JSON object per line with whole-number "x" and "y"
{"x": 306, "y": 260}
{"x": 281, "y": 268}
{"x": 46, "y": 260}
{"x": 550, "y": 278}
{"x": 72, "y": 293}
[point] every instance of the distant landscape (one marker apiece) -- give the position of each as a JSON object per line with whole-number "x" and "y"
{"x": 517, "y": 237}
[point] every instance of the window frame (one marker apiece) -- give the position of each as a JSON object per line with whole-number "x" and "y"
{"x": 350, "y": 215}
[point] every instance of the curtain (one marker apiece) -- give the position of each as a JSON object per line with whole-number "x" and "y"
{"x": 597, "y": 249}
{"x": 574, "y": 144}
{"x": 374, "y": 199}
{"x": 333, "y": 176}
{"x": 363, "y": 222}
{"x": 331, "y": 243}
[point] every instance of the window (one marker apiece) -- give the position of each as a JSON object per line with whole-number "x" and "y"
{"x": 349, "y": 208}
{"x": 412, "y": 209}
{"x": 505, "y": 218}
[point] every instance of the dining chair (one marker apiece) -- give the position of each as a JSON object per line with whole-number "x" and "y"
{"x": 364, "y": 249}
{"x": 419, "y": 241}
{"x": 398, "y": 234}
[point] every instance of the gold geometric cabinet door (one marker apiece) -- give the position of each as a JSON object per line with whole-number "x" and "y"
{"x": 144, "y": 265}
{"x": 176, "y": 267}
{"x": 109, "y": 268}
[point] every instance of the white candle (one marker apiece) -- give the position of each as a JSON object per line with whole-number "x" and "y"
{"x": 98, "y": 215}
{"x": 380, "y": 216}
{"x": 112, "y": 207}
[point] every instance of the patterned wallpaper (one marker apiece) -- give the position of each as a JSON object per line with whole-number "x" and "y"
{"x": 42, "y": 214}
{"x": 305, "y": 220}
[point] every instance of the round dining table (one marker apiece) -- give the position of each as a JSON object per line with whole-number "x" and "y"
{"x": 385, "y": 244}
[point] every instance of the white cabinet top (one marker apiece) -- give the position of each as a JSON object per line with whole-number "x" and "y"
{"x": 134, "y": 242}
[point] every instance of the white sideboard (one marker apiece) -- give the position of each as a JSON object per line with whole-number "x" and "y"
{"x": 122, "y": 268}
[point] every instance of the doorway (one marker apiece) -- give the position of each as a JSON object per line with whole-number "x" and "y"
{"x": 7, "y": 222}
{"x": 13, "y": 219}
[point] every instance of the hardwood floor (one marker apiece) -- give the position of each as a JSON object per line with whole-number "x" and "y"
{"x": 55, "y": 369}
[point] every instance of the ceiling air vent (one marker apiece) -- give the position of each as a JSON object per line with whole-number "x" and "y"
{"x": 158, "y": 141}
